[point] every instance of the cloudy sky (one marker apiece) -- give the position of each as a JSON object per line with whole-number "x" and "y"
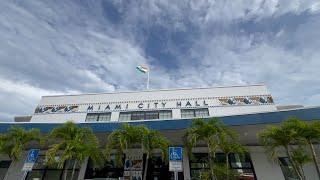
{"x": 52, "y": 47}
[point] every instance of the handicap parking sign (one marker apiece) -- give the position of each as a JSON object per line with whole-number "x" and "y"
{"x": 32, "y": 156}
{"x": 30, "y": 160}
{"x": 175, "y": 153}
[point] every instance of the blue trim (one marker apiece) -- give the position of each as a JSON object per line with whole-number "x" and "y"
{"x": 306, "y": 114}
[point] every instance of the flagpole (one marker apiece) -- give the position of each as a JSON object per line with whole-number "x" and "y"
{"x": 148, "y": 79}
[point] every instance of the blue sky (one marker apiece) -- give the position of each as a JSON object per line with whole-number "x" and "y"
{"x": 52, "y": 47}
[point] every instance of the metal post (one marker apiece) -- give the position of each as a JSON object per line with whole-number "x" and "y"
{"x": 148, "y": 79}
{"x": 24, "y": 175}
{"x": 176, "y": 175}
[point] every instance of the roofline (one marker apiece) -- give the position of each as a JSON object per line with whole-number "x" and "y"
{"x": 155, "y": 90}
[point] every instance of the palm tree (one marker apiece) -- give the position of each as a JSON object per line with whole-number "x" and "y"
{"x": 308, "y": 133}
{"x": 274, "y": 138}
{"x": 152, "y": 140}
{"x": 16, "y": 140}
{"x": 127, "y": 136}
{"x": 229, "y": 143}
{"x": 122, "y": 139}
{"x": 73, "y": 143}
{"x": 207, "y": 132}
{"x": 300, "y": 157}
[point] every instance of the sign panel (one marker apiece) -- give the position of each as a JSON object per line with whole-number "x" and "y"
{"x": 133, "y": 165}
{"x": 203, "y": 102}
{"x": 31, "y": 159}
{"x": 175, "y": 166}
{"x": 175, "y": 153}
{"x": 175, "y": 159}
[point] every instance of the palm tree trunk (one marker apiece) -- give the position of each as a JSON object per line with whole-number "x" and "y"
{"x": 314, "y": 157}
{"x": 211, "y": 164}
{"x": 73, "y": 169}
{"x": 65, "y": 174}
{"x": 302, "y": 172}
{"x": 295, "y": 168}
{"x": 227, "y": 166}
{"x": 146, "y": 167}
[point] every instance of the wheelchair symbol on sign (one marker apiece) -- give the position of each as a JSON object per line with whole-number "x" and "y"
{"x": 174, "y": 155}
{"x": 31, "y": 156}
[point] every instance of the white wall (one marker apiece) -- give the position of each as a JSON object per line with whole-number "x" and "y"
{"x": 237, "y": 110}
{"x": 211, "y": 98}
{"x": 59, "y": 118}
{"x": 264, "y": 168}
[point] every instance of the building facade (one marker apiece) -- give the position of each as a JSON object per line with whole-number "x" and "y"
{"x": 246, "y": 109}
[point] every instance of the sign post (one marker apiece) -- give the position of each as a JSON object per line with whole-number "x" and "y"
{"x": 30, "y": 160}
{"x": 175, "y": 160}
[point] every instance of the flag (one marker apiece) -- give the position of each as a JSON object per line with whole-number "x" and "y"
{"x": 143, "y": 69}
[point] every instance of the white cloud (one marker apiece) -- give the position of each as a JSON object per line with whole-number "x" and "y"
{"x": 18, "y": 98}
{"x": 58, "y": 47}
{"x": 25, "y": 90}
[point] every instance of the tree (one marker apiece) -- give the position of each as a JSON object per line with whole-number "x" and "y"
{"x": 300, "y": 157}
{"x": 152, "y": 140}
{"x": 209, "y": 132}
{"x": 273, "y": 138}
{"x": 16, "y": 140}
{"x": 229, "y": 143}
{"x": 73, "y": 143}
{"x": 122, "y": 139}
{"x": 308, "y": 133}
{"x": 127, "y": 136}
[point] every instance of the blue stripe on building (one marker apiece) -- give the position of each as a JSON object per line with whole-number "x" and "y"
{"x": 307, "y": 114}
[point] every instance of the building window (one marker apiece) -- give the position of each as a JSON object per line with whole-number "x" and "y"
{"x": 93, "y": 117}
{"x": 287, "y": 168}
{"x": 4, "y": 166}
{"x": 165, "y": 115}
{"x": 198, "y": 165}
{"x": 241, "y": 164}
{"x": 138, "y": 115}
{"x": 41, "y": 171}
{"x": 152, "y": 115}
{"x": 192, "y": 113}
{"x": 125, "y": 116}
{"x": 109, "y": 171}
{"x": 145, "y": 115}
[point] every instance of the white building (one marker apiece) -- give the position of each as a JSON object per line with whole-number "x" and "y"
{"x": 246, "y": 109}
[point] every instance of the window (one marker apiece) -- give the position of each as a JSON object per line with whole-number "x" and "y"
{"x": 191, "y": 113}
{"x": 125, "y": 116}
{"x": 241, "y": 164}
{"x": 138, "y": 115}
{"x": 104, "y": 117}
{"x": 198, "y": 165}
{"x": 287, "y": 168}
{"x": 145, "y": 115}
{"x": 109, "y": 171}
{"x": 4, "y": 166}
{"x": 41, "y": 171}
{"x": 152, "y": 115}
{"x": 93, "y": 117}
{"x": 158, "y": 169}
{"x": 165, "y": 115}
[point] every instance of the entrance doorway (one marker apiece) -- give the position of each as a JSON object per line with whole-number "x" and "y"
{"x": 157, "y": 170}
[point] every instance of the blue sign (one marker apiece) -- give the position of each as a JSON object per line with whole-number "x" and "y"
{"x": 32, "y": 155}
{"x": 175, "y": 153}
